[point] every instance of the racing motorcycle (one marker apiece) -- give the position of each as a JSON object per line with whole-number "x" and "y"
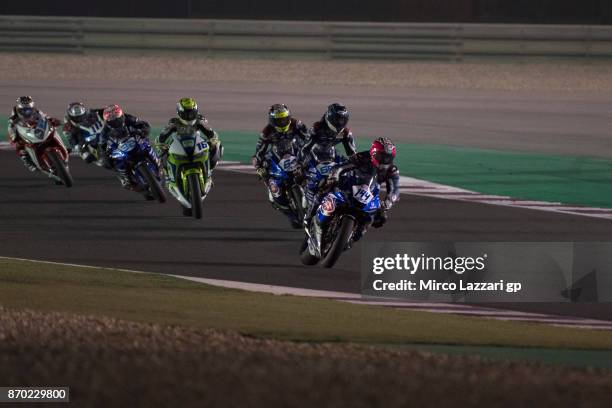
{"x": 283, "y": 180}
{"x": 350, "y": 204}
{"x": 144, "y": 174}
{"x": 47, "y": 150}
{"x": 188, "y": 169}
{"x": 89, "y": 151}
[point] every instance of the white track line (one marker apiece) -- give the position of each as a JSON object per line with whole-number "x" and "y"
{"x": 413, "y": 186}
{"x": 446, "y": 308}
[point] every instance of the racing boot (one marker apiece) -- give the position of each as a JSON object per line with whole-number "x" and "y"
{"x": 124, "y": 179}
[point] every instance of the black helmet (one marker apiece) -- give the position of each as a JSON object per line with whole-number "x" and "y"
{"x": 187, "y": 110}
{"x": 25, "y": 107}
{"x": 76, "y": 112}
{"x": 279, "y": 116}
{"x": 336, "y": 117}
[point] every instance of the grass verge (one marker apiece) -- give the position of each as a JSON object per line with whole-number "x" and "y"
{"x": 153, "y": 298}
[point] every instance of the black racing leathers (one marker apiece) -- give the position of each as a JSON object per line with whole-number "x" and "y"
{"x": 322, "y": 135}
{"x": 281, "y": 143}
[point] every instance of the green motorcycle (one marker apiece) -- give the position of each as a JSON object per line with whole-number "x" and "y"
{"x": 188, "y": 170}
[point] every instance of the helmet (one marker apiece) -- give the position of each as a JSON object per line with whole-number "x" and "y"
{"x": 113, "y": 116}
{"x": 279, "y": 116}
{"x": 336, "y": 117}
{"x": 382, "y": 152}
{"x": 187, "y": 109}
{"x": 25, "y": 107}
{"x": 76, "y": 112}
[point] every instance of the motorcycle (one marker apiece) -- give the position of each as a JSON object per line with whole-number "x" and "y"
{"x": 88, "y": 150}
{"x": 47, "y": 150}
{"x": 322, "y": 162}
{"x": 349, "y": 208}
{"x": 283, "y": 179}
{"x": 188, "y": 169}
{"x": 144, "y": 174}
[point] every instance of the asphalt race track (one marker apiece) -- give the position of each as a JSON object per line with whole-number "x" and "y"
{"x": 240, "y": 237}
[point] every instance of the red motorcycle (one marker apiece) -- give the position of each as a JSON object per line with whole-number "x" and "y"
{"x": 46, "y": 149}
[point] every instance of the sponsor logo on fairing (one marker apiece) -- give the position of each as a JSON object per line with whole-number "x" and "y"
{"x": 328, "y": 206}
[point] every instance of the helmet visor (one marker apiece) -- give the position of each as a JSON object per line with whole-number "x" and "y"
{"x": 281, "y": 122}
{"x": 384, "y": 158}
{"x": 25, "y": 112}
{"x": 116, "y": 123}
{"x": 188, "y": 114}
{"x": 338, "y": 122}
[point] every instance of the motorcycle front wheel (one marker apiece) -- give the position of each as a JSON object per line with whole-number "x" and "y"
{"x": 59, "y": 168}
{"x": 305, "y": 256}
{"x": 342, "y": 236}
{"x": 195, "y": 195}
{"x": 154, "y": 185}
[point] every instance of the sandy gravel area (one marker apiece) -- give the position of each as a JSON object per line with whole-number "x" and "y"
{"x": 549, "y": 76}
{"x": 109, "y": 362}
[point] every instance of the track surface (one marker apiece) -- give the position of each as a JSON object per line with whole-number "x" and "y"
{"x": 548, "y": 122}
{"x": 241, "y": 237}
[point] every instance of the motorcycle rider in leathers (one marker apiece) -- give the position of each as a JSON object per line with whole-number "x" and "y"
{"x": 376, "y": 162}
{"x": 330, "y": 131}
{"x": 81, "y": 123}
{"x": 25, "y": 113}
{"x": 189, "y": 116}
{"x": 119, "y": 126}
{"x": 283, "y": 135}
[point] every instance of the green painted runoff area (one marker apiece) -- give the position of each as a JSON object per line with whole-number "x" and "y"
{"x": 556, "y": 178}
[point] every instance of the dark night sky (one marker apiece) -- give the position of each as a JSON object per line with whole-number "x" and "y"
{"x": 505, "y": 11}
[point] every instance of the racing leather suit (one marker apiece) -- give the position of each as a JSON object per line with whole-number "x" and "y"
{"x": 176, "y": 125}
{"x": 17, "y": 142}
{"x": 322, "y": 138}
{"x": 274, "y": 145}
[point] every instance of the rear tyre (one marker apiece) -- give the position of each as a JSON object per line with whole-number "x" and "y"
{"x": 342, "y": 237}
{"x": 59, "y": 168}
{"x": 195, "y": 195}
{"x": 154, "y": 186}
{"x": 305, "y": 256}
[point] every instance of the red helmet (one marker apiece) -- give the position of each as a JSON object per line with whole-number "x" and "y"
{"x": 113, "y": 116}
{"x": 382, "y": 152}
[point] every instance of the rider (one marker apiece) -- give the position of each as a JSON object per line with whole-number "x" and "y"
{"x": 25, "y": 113}
{"x": 376, "y": 162}
{"x": 118, "y": 126}
{"x": 282, "y": 135}
{"x": 322, "y": 139}
{"x": 189, "y": 117}
{"x": 80, "y": 123}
